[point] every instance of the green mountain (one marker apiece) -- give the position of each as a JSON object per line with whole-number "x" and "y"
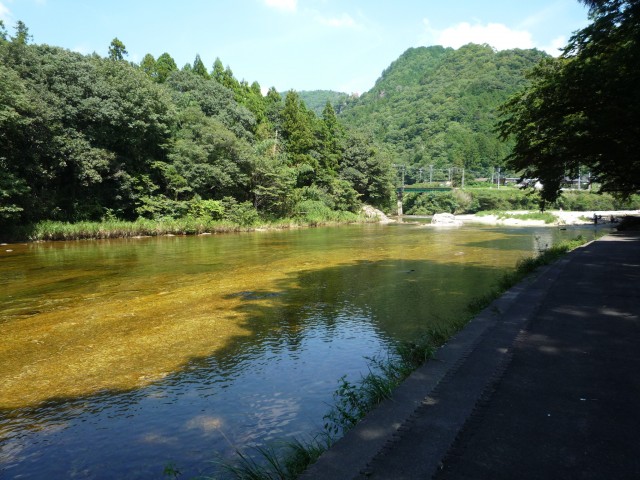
{"x": 316, "y": 100}
{"x": 437, "y": 106}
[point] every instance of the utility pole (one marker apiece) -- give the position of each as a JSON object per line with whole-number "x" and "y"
{"x": 400, "y": 211}
{"x": 420, "y": 170}
{"x": 579, "y": 184}
{"x": 430, "y": 173}
{"x": 403, "y": 166}
{"x": 498, "y": 177}
{"x": 400, "y": 191}
{"x": 463, "y": 179}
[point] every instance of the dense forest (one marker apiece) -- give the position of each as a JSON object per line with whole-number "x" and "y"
{"x": 316, "y": 100}
{"x": 84, "y": 137}
{"x": 439, "y": 106}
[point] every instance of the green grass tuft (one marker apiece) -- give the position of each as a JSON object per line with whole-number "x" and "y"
{"x": 353, "y": 400}
{"x": 284, "y": 463}
{"x": 142, "y": 227}
{"x": 547, "y": 217}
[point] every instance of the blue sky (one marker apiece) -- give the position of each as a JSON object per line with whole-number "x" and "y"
{"x": 341, "y": 45}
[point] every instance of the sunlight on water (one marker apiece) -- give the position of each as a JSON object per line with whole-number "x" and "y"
{"x": 86, "y": 319}
{"x": 215, "y": 341}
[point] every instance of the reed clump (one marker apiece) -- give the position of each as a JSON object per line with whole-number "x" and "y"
{"x": 49, "y": 230}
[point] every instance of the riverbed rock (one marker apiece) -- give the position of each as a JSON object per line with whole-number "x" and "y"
{"x": 371, "y": 212}
{"x": 445, "y": 220}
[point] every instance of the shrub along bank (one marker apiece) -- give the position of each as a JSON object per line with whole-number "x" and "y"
{"x": 509, "y": 198}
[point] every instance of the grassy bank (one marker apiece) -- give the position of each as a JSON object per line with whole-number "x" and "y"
{"x": 112, "y": 228}
{"x": 353, "y": 400}
{"x": 523, "y": 268}
{"x": 546, "y": 217}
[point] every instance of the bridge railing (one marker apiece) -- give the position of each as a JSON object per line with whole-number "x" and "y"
{"x": 411, "y": 189}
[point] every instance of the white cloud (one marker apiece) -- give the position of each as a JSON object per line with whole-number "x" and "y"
{"x": 556, "y": 46}
{"x": 497, "y": 35}
{"x": 358, "y": 84}
{"x": 82, "y": 49}
{"x": 343, "y": 21}
{"x": 285, "y": 5}
{"x": 5, "y": 13}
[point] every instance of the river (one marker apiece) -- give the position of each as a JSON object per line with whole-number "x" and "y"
{"x": 119, "y": 357}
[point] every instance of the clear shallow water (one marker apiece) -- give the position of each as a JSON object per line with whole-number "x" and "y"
{"x": 118, "y": 357}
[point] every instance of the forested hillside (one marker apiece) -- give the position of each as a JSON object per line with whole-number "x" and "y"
{"x": 437, "y": 106}
{"x": 316, "y": 100}
{"x": 85, "y": 138}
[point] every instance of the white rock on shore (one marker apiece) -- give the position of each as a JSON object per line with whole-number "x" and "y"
{"x": 371, "y": 212}
{"x": 445, "y": 220}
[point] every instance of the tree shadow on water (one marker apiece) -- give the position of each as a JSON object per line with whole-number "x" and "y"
{"x": 398, "y": 298}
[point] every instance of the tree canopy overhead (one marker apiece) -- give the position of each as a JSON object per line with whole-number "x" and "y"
{"x": 582, "y": 110}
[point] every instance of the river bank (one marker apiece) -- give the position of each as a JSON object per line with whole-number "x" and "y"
{"x": 518, "y": 218}
{"x": 110, "y": 229}
{"x": 464, "y": 413}
{"x": 142, "y": 227}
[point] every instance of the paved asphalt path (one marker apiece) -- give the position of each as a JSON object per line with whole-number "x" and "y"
{"x": 544, "y": 384}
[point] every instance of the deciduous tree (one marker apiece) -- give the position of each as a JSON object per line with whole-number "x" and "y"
{"x": 582, "y": 111}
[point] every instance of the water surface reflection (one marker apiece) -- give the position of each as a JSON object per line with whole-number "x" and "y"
{"x": 119, "y": 356}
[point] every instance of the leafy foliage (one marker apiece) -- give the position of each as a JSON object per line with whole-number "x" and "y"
{"x": 582, "y": 110}
{"x": 437, "y": 106}
{"x": 316, "y": 100}
{"x": 83, "y": 137}
{"x": 353, "y": 400}
{"x": 430, "y": 203}
{"x": 494, "y": 200}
